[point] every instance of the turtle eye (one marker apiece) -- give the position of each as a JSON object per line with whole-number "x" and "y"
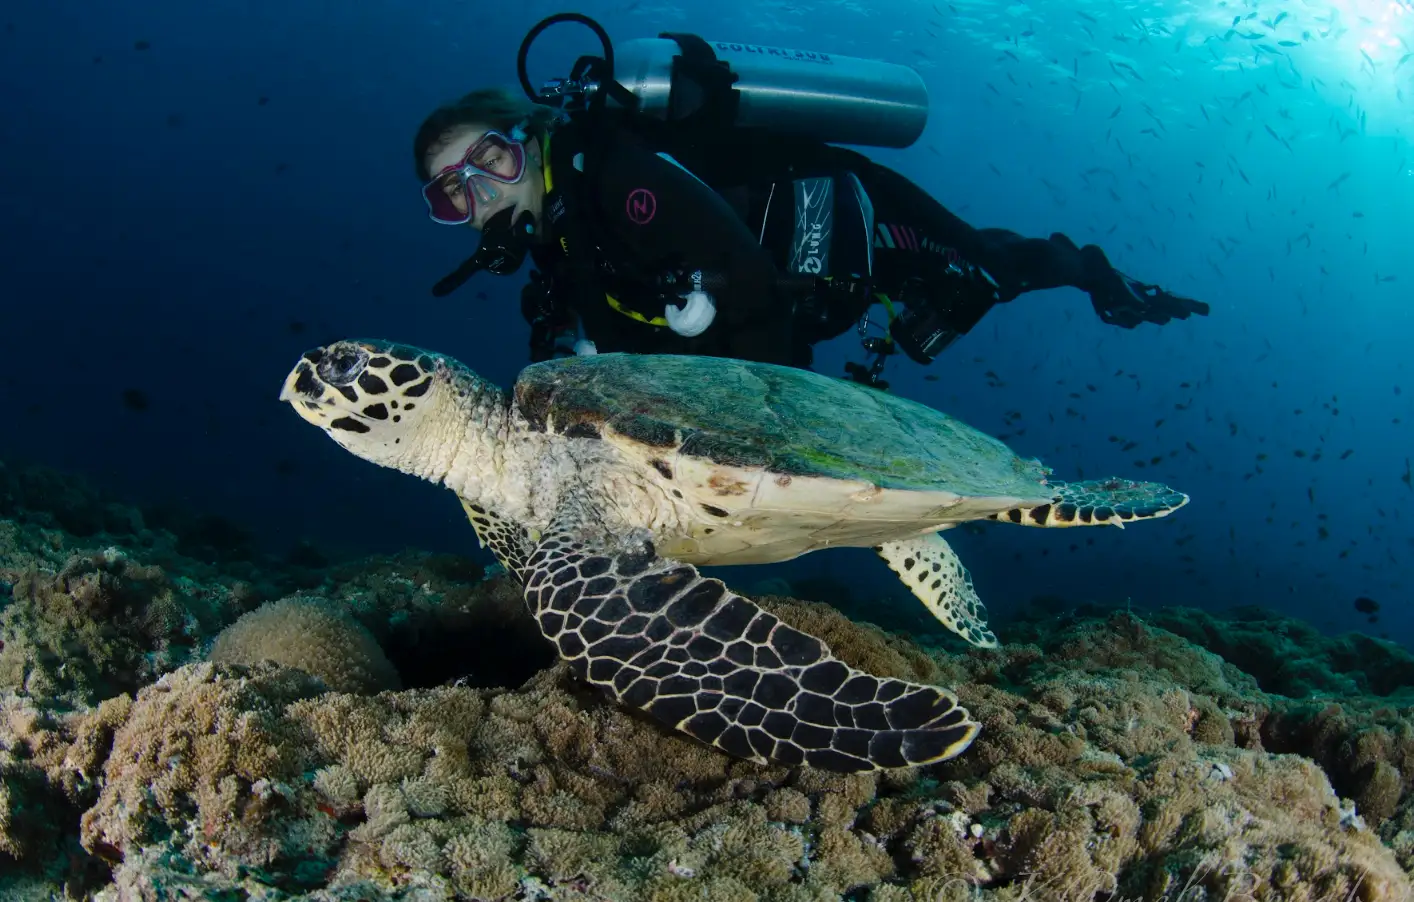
{"x": 343, "y": 364}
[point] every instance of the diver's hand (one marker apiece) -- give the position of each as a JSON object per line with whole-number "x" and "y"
{"x": 1126, "y": 302}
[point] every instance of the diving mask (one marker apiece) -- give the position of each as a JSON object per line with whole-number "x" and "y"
{"x": 454, "y": 194}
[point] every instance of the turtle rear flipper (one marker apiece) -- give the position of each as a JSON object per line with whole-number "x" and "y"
{"x": 1098, "y": 502}
{"x": 936, "y": 577}
{"x": 707, "y": 662}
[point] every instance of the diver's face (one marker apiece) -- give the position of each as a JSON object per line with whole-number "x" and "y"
{"x": 525, "y": 194}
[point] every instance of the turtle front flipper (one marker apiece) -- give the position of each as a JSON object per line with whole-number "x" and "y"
{"x": 712, "y": 664}
{"x": 510, "y": 542}
{"x": 936, "y": 577}
{"x": 1098, "y": 502}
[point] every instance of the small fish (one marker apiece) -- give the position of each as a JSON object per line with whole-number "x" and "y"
{"x": 1130, "y": 69}
{"x": 135, "y": 399}
{"x": 1338, "y": 182}
{"x": 1367, "y": 605}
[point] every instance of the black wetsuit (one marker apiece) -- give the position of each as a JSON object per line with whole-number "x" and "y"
{"x": 632, "y": 215}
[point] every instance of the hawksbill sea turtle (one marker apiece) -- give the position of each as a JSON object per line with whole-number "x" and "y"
{"x": 599, "y": 481}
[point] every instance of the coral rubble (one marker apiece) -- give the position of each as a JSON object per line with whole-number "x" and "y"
{"x": 143, "y": 757}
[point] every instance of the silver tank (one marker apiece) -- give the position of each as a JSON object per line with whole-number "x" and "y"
{"x": 836, "y": 99}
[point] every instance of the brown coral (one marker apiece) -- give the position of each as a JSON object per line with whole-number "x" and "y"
{"x": 206, "y": 751}
{"x": 311, "y": 635}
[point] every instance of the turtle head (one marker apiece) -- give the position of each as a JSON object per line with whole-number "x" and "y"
{"x": 391, "y": 404}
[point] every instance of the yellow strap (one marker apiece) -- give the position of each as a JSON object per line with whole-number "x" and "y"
{"x": 888, "y": 304}
{"x": 890, "y": 312}
{"x": 545, "y": 163}
{"x": 633, "y": 314}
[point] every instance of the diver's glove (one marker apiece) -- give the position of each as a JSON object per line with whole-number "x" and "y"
{"x": 1126, "y": 302}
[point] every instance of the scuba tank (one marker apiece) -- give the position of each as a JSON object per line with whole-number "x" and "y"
{"x": 682, "y": 78}
{"x": 835, "y": 99}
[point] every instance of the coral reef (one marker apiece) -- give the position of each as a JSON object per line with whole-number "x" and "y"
{"x": 143, "y": 758}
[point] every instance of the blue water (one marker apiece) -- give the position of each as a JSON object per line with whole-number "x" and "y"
{"x": 195, "y": 193}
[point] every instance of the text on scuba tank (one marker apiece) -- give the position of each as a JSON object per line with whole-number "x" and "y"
{"x": 805, "y": 56}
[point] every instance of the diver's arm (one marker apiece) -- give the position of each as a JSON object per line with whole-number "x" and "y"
{"x": 1019, "y": 264}
{"x": 1033, "y": 264}
{"x": 674, "y": 222}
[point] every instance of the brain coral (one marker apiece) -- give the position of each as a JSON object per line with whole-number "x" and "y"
{"x": 314, "y": 636}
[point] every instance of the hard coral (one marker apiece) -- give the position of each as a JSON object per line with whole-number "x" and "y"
{"x": 311, "y": 635}
{"x": 205, "y": 754}
{"x": 90, "y": 628}
{"x": 1116, "y": 758}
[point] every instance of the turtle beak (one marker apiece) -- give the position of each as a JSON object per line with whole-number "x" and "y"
{"x": 302, "y": 385}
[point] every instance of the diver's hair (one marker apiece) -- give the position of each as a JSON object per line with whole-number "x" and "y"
{"x": 495, "y": 108}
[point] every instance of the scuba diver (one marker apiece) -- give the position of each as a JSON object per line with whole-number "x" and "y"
{"x": 708, "y": 211}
